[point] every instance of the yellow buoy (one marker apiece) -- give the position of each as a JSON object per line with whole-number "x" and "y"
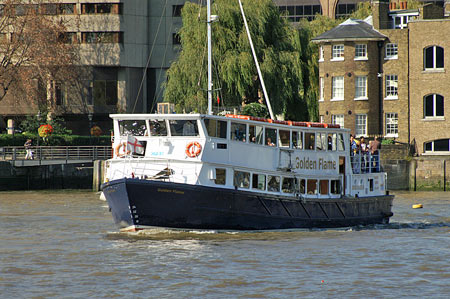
{"x": 417, "y": 206}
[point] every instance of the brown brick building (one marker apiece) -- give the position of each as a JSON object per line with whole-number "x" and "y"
{"x": 386, "y": 76}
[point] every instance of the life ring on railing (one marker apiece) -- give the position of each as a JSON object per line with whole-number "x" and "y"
{"x": 118, "y": 148}
{"x": 193, "y": 149}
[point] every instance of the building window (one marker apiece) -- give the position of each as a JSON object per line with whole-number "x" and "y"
{"x": 299, "y": 12}
{"x": 433, "y": 105}
{"x": 321, "y": 82}
{"x": 176, "y": 10}
{"x": 101, "y": 8}
{"x": 176, "y": 40}
{"x": 361, "y": 125}
{"x": 438, "y": 146}
{"x": 361, "y": 87}
{"x": 361, "y": 51}
{"x": 392, "y": 124}
{"x": 321, "y": 118}
{"x": 101, "y": 37}
{"x": 391, "y": 86}
{"x": 345, "y": 10}
{"x": 433, "y": 57}
{"x": 338, "y": 88}
{"x": 321, "y": 53}
{"x": 338, "y": 119}
{"x": 105, "y": 92}
{"x": 338, "y": 52}
{"x": 391, "y": 51}
{"x": 59, "y": 93}
{"x": 242, "y": 179}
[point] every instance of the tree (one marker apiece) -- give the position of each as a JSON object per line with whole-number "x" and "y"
{"x": 278, "y": 49}
{"x": 34, "y": 52}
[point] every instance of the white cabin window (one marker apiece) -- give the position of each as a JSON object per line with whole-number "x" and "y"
{"x": 331, "y": 141}
{"x": 288, "y": 185}
{"x": 310, "y": 141}
{"x": 312, "y": 187}
{"x": 158, "y": 128}
{"x": 324, "y": 187}
{"x": 132, "y": 127}
{"x": 321, "y": 141}
{"x": 216, "y": 128}
{"x": 256, "y": 134}
{"x": 183, "y": 127}
{"x": 271, "y": 137}
{"x": 259, "y": 181}
{"x": 302, "y": 186}
{"x": 285, "y": 138}
{"x": 335, "y": 187}
{"x": 242, "y": 179}
{"x": 274, "y": 184}
{"x": 340, "y": 142}
{"x": 238, "y": 132}
{"x": 221, "y": 176}
{"x": 297, "y": 140}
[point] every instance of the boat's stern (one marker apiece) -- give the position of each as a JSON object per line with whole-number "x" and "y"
{"x": 116, "y": 195}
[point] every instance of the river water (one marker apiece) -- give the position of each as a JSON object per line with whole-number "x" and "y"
{"x": 64, "y": 245}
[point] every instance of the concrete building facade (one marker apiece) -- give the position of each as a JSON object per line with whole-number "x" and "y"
{"x": 394, "y": 86}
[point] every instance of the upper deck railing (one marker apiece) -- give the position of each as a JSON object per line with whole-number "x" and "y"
{"x": 54, "y": 154}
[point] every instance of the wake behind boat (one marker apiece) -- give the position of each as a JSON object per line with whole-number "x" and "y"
{"x": 239, "y": 172}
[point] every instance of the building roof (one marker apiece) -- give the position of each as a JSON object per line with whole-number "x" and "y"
{"x": 351, "y": 29}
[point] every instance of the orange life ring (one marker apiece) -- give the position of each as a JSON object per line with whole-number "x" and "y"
{"x": 117, "y": 150}
{"x": 193, "y": 149}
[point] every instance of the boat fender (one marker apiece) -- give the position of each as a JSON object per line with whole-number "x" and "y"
{"x": 193, "y": 149}
{"x": 417, "y": 206}
{"x": 117, "y": 150}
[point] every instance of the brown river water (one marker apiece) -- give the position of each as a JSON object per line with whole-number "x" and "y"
{"x": 64, "y": 245}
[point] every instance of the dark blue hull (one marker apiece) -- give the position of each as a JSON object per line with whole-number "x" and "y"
{"x": 139, "y": 204}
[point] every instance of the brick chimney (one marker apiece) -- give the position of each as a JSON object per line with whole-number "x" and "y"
{"x": 380, "y": 11}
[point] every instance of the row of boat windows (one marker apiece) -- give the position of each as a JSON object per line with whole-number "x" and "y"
{"x": 267, "y": 136}
{"x": 273, "y": 183}
{"x": 239, "y": 132}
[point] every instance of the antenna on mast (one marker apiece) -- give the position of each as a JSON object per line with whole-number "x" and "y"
{"x": 210, "y": 84}
{"x": 266, "y": 97}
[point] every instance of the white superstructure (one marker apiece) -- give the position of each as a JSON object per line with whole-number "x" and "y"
{"x": 298, "y": 159}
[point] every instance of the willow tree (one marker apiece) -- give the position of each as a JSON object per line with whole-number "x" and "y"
{"x": 277, "y": 46}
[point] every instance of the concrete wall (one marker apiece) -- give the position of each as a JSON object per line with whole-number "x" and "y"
{"x": 69, "y": 176}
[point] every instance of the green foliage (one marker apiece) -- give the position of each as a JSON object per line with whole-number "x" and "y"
{"x": 278, "y": 49}
{"x": 54, "y": 140}
{"x": 255, "y": 109}
{"x": 364, "y": 9}
{"x": 31, "y": 124}
{"x": 387, "y": 141}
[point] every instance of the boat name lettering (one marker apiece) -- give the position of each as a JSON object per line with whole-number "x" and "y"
{"x": 170, "y": 191}
{"x": 307, "y": 163}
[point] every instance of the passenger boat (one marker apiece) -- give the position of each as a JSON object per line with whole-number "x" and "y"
{"x": 237, "y": 172}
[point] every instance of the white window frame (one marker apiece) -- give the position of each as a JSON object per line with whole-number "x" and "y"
{"x": 361, "y": 125}
{"x": 391, "y": 124}
{"x": 321, "y": 89}
{"x": 391, "y": 51}
{"x": 391, "y": 89}
{"x": 321, "y": 56}
{"x": 338, "y": 119}
{"x": 434, "y": 59}
{"x": 432, "y": 151}
{"x": 360, "y": 88}
{"x": 434, "y": 116}
{"x": 337, "y": 88}
{"x": 361, "y": 52}
{"x": 337, "y": 52}
{"x": 321, "y": 119}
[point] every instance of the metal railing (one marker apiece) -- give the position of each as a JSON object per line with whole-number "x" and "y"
{"x": 85, "y": 153}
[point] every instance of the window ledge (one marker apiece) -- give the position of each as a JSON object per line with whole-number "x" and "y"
{"x": 391, "y": 98}
{"x": 434, "y": 118}
{"x": 431, "y": 71}
{"x": 391, "y": 136}
{"x": 361, "y": 99}
{"x": 443, "y": 153}
{"x": 321, "y": 100}
{"x": 321, "y": 60}
{"x": 337, "y": 59}
{"x": 361, "y": 58}
{"x": 391, "y": 58}
{"x": 337, "y": 100}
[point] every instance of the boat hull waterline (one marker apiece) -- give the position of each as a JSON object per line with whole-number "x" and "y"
{"x": 139, "y": 204}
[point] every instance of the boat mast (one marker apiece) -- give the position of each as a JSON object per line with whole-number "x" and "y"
{"x": 210, "y": 84}
{"x": 266, "y": 97}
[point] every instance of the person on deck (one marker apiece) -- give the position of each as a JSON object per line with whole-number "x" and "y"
{"x": 29, "y": 155}
{"x": 374, "y": 148}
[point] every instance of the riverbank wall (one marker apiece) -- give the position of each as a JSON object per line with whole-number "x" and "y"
{"x": 59, "y": 176}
